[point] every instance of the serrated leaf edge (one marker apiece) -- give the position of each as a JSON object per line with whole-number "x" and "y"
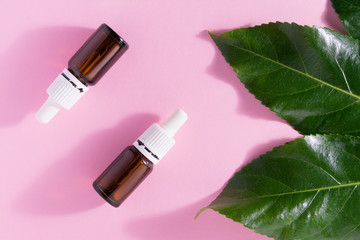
{"x": 298, "y": 139}
{"x": 273, "y": 149}
{"x": 322, "y": 82}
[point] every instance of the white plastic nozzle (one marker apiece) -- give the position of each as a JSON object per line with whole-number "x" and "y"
{"x": 48, "y": 110}
{"x": 64, "y": 92}
{"x": 174, "y": 122}
{"x": 157, "y": 140}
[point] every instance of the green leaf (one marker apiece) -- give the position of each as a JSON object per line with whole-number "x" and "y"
{"x": 309, "y": 76}
{"x": 305, "y": 189}
{"x": 349, "y": 13}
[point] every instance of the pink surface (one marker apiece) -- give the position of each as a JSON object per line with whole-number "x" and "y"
{"x": 47, "y": 170}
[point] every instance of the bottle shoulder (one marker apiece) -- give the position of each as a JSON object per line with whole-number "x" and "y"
{"x": 139, "y": 156}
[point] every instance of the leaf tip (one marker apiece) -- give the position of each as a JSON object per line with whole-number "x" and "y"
{"x": 199, "y": 212}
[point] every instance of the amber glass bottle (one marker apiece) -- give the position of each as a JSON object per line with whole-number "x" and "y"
{"x": 103, "y": 48}
{"x": 95, "y": 57}
{"x": 123, "y": 175}
{"x": 135, "y": 163}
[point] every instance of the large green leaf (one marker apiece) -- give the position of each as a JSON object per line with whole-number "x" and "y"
{"x": 309, "y": 76}
{"x": 306, "y": 189}
{"x": 349, "y": 13}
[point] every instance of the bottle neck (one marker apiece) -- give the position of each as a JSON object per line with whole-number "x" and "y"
{"x": 77, "y": 76}
{"x": 154, "y": 143}
{"x": 140, "y": 146}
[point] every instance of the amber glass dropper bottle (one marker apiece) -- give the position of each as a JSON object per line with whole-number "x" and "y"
{"x": 102, "y": 49}
{"x": 135, "y": 163}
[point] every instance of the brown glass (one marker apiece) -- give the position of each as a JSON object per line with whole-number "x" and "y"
{"x": 123, "y": 175}
{"x": 96, "y": 56}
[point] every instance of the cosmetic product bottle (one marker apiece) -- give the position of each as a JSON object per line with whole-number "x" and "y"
{"x": 102, "y": 49}
{"x": 136, "y": 162}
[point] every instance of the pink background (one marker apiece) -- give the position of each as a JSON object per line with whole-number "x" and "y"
{"x": 46, "y": 171}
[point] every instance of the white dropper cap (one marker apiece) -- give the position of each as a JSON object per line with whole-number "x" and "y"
{"x": 157, "y": 140}
{"x": 64, "y": 92}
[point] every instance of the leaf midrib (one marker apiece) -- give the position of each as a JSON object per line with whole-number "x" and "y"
{"x": 306, "y": 190}
{"x": 223, "y": 39}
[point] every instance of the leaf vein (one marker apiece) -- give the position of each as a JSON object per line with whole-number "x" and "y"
{"x": 297, "y": 217}
{"x": 290, "y": 68}
{"x": 337, "y": 214}
{"x": 271, "y": 43}
{"x": 265, "y": 73}
{"x": 316, "y": 166}
{"x": 336, "y": 110}
{"x": 351, "y": 231}
{"x": 292, "y": 93}
{"x": 306, "y": 190}
{"x": 343, "y": 74}
{"x": 344, "y": 151}
{"x": 302, "y": 60}
{"x": 276, "y": 180}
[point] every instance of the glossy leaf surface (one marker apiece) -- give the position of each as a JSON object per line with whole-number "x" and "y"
{"x": 349, "y": 13}
{"x": 306, "y": 189}
{"x": 309, "y": 76}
